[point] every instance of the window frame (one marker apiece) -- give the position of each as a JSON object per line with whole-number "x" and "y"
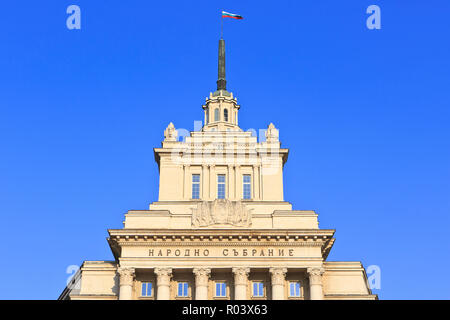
{"x": 152, "y": 290}
{"x": 196, "y": 183}
{"x": 187, "y": 289}
{"x": 224, "y": 283}
{"x": 224, "y": 183}
{"x": 299, "y": 289}
{"x": 216, "y": 115}
{"x": 249, "y": 184}
{"x": 263, "y": 295}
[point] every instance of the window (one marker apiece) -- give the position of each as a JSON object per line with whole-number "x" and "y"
{"x": 225, "y": 115}
{"x": 221, "y": 289}
{"x": 182, "y": 289}
{"x": 258, "y": 289}
{"x": 195, "y": 186}
{"x": 247, "y": 186}
{"x": 294, "y": 289}
{"x": 216, "y": 115}
{"x": 147, "y": 289}
{"x": 207, "y": 116}
{"x": 221, "y": 186}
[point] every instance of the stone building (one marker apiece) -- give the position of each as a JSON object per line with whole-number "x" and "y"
{"x": 221, "y": 228}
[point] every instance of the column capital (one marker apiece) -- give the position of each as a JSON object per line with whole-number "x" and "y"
{"x": 163, "y": 272}
{"x": 202, "y": 276}
{"x": 315, "y": 275}
{"x": 241, "y": 275}
{"x": 278, "y": 275}
{"x": 126, "y": 275}
{"x": 202, "y": 271}
{"x": 164, "y": 276}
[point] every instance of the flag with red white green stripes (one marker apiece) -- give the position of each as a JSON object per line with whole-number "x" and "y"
{"x": 231, "y": 15}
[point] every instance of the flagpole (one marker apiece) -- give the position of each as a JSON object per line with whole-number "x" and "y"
{"x": 221, "y": 25}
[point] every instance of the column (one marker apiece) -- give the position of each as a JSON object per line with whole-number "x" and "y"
{"x": 163, "y": 283}
{"x": 238, "y": 184}
{"x": 203, "y": 187}
{"x": 240, "y": 283}
{"x": 261, "y": 183}
{"x": 184, "y": 182}
{"x": 277, "y": 276}
{"x": 212, "y": 184}
{"x": 126, "y": 283}
{"x": 187, "y": 183}
{"x": 315, "y": 283}
{"x": 229, "y": 183}
{"x": 253, "y": 182}
{"x": 235, "y": 181}
{"x": 201, "y": 283}
{"x": 257, "y": 186}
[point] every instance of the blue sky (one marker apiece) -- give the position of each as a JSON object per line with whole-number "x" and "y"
{"x": 365, "y": 114}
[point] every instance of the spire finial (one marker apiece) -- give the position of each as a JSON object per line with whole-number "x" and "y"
{"x": 221, "y": 82}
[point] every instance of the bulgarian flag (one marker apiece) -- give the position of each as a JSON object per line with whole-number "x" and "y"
{"x": 231, "y": 15}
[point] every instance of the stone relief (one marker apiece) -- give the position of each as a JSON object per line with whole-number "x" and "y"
{"x": 220, "y": 212}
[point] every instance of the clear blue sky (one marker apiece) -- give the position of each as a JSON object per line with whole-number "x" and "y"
{"x": 365, "y": 114}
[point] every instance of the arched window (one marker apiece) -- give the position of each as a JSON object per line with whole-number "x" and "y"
{"x": 225, "y": 115}
{"x": 216, "y": 115}
{"x": 207, "y": 116}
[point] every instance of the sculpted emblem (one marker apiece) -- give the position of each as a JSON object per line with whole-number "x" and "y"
{"x": 221, "y": 212}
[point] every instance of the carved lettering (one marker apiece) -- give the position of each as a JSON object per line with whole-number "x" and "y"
{"x": 221, "y": 252}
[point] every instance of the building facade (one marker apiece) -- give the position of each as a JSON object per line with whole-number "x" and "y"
{"x": 221, "y": 228}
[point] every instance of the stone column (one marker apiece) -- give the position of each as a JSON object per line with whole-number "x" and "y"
{"x": 184, "y": 182}
{"x": 278, "y": 275}
{"x": 240, "y": 283}
{"x": 253, "y": 182}
{"x": 203, "y": 187}
{"x": 201, "y": 283}
{"x": 238, "y": 185}
{"x": 315, "y": 283}
{"x": 212, "y": 184}
{"x": 235, "y": 181}
{"x": 261, "y": 185}
{"x": 257, "y": 184}
{"x": 126, "y": 283}
{"x": 229, "y": 183}
{"x": 163, "y": 283}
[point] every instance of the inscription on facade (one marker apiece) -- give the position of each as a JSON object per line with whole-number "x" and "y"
{"x": 222, "y": 252}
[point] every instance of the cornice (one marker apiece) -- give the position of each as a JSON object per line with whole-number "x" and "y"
{"x": 184, "y": 234}
{"x": 222, "y": 244}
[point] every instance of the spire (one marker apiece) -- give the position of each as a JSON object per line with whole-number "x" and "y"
{"x": 221, "y": 82}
